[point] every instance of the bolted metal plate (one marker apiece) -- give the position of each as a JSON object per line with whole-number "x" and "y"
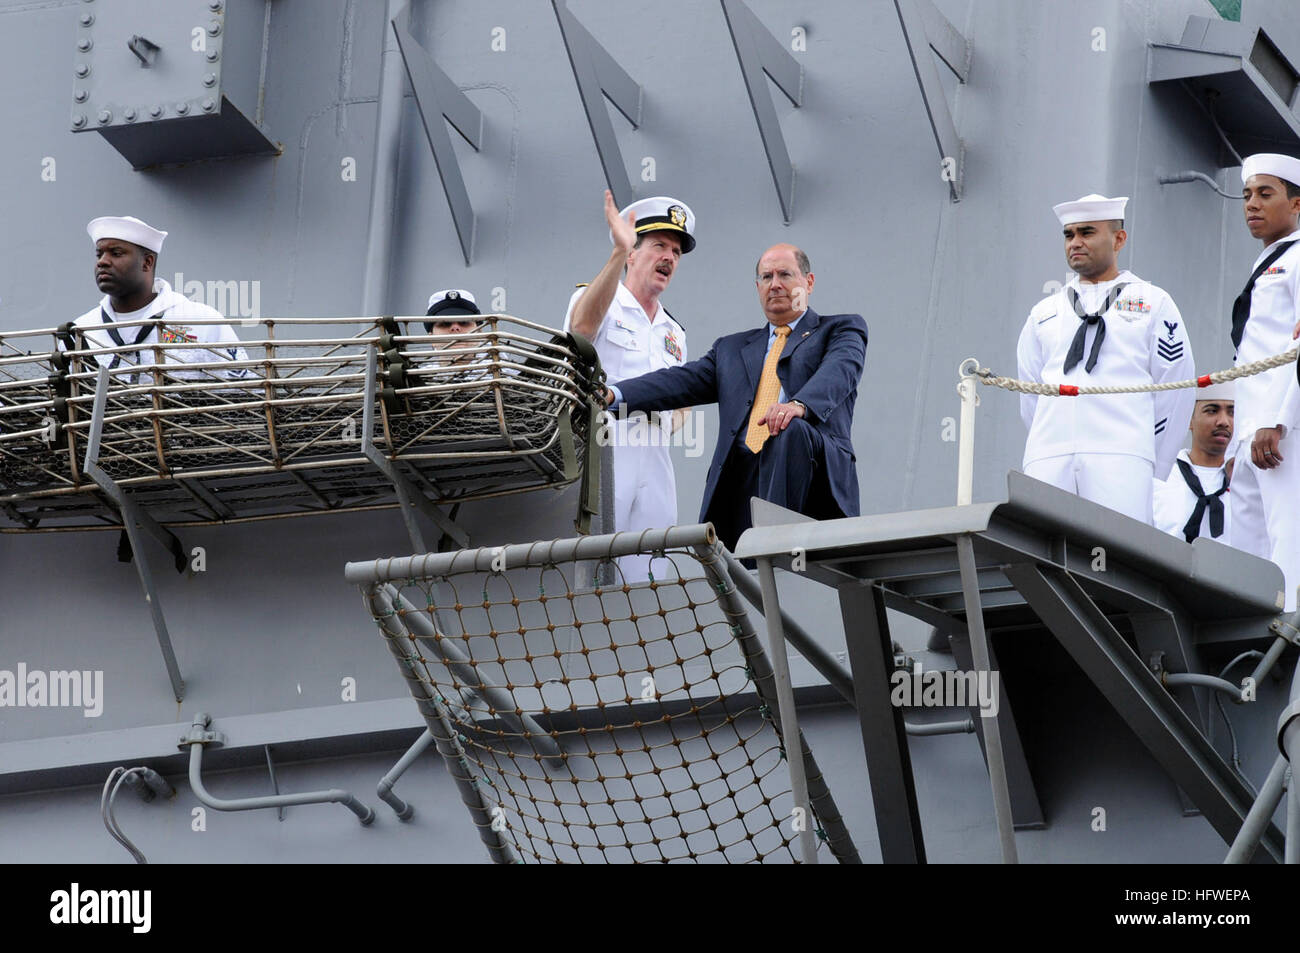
{"x": 173, "y": 72}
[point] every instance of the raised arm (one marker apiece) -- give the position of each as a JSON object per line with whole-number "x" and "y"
{"x": 590, "y": 308}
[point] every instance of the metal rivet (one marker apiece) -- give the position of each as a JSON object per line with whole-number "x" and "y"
{"x": 155, "y": 111}
{"x": 78, "y": 120}
{"x": 128, "y": 114}
{"x": 215, "y": 6}
{"x": 82, "y": 69}
{"x": 209, "y": 105}
{"x": 81, "y": 95}
{"x": 182, "y": 108}
{"x": 84, "y": 44}
{"x": 87, "y": 19}
{"x": 214, "y": 28}
{"x": 212, "y": 55}
{"x": 209, "y": 79}
{"x": 105, "y": 116}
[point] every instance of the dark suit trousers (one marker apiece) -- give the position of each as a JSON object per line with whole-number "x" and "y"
{"x": 783, "y": 472}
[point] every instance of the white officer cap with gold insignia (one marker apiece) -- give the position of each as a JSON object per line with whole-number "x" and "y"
{"x": 452, "y": 301}
{"x": 1091, "y": 208}
{"x": 1271, "y": 163}
{"x": 663, "y": 213}
{"x": 127, "y": 229}
{"x": 1222, "y": 393}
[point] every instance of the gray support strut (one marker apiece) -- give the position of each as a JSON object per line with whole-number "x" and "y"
{"x": 785, "y": 704}
{"x": 133, "y": 519}
{"x": 439, "y": 725}
{"x": 710, "y": 555}
{"x": 979, "y": 648}
{"x": 884, "y": 731}
{"x": 795, "y": 634}
{"x": 384, "y": 790}
{"x": 408, "y": 496}
{"x": 460, "y": 664}
{"x": 1253, "y": 827}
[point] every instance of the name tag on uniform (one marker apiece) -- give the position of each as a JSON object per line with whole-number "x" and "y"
{"x": 672, "y": 346}
{"x": 625, "y": 337}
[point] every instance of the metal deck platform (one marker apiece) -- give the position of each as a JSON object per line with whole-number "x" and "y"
{"x": 1128, "y": 603}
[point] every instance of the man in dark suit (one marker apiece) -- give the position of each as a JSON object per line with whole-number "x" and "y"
{"x": 785, "y": 395}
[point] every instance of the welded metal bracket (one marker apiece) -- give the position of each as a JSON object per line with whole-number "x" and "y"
{"x": 599, "y": 75}
{"x": 134, "y": 520}
{"x": 438, "y": 98}
{"x": 925, "y": 29}
{"x": 409, "y": 497}
{"x": 760, "y": 53}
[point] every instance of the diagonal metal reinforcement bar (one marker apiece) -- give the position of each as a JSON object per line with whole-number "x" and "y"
{"x": 133, "y": 518}
{"x": 1137, "y": 696}
{"x": 407, "y": 495}
{"x": 822, "y": 804}
{"x": 399, "y": 640}
{"x": 426, "y": 632}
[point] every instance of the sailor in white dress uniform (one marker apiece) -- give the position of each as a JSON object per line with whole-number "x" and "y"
{"x": 1265, "y": 496}
{"x": 1193, "y": 502}
{"x": 634, "y": 334}
{"x": 1106, "y": 327}
{"x": 126, "y": 253}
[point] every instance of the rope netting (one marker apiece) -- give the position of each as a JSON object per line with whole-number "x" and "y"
{"x": 625, "y": 723}
{"x": 1249, "y": 369}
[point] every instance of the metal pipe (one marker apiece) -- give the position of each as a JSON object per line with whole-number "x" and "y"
{"x": 1191, "y": 175}
{"x": 523, "y": 555}
{"x": 1204, "y": 681}
{"x": 489, "y": 819}
{"x": 821, "y": 660}
{"x": 383, "y": 187}
{"x": 385, "y": 788}
{"x": 332, "y": 796}
{"x": 785, "y": 700}
{"x": 1257, "y": 819}
{"x": 1269, "y": 660}
{"x": 981, "y": 656}
{"x": 966, "y": 726}
{"x": 1291, "y": 854}
{"x": 462, "y": 666}
{"x": 751, "y": 646}
{"x": 1288, "y": 739}
{"x": 966, "y": 435}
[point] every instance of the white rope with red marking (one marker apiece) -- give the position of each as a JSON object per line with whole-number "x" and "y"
{"x": 986, "y": 376}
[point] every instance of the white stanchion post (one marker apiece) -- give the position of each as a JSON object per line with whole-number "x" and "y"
{"x": 966, "y": 436}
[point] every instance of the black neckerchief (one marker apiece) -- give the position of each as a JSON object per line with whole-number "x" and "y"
{"x": 1075, "y": 354}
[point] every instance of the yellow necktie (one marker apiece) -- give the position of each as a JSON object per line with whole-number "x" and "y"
{"x": 769, "y": 388}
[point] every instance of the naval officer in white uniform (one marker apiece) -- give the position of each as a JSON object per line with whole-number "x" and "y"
{"x": 634, "y": 334}
{"x": 1105, "y": 327}
{"x": 1193, "y": 502}
{"x": 1265, "y": 494}
{"x": 126, "y": 258}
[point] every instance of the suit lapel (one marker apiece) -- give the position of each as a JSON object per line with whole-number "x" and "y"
{"x": 752, "y": 355}
{"x": 807, "y": 324}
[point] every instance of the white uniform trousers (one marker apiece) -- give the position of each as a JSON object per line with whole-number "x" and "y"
{"x": 1120, "y": 481}
{"x": 1264, "y": 514}
{"x": 645, "y": 491}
